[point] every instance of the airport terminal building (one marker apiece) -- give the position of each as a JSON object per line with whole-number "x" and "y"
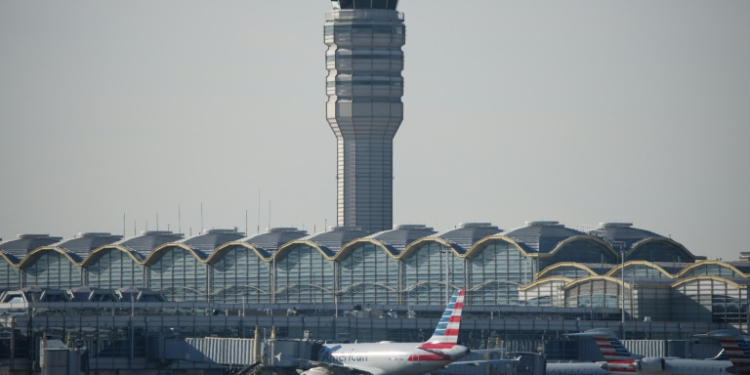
{"x": 541, "y": 264}
{"x": 364, "y": 279}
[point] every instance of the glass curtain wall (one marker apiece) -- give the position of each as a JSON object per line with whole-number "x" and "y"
{"x": 54, "y": 270}
{"x": 9, "y": 276}
{"x": 238, "y": 273}
{"x": 425, "y": 275}
{"x": 495, "y": 273}
{"x": 114, "y": 269}
{"x": 368, "y": 275}
{"x": 179, "y": 275}
{"x": 304, "y": 275}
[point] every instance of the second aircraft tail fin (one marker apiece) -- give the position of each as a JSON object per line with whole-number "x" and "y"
{"x": 446, "y": 332}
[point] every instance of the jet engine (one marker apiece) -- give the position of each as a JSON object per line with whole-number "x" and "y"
{"x": 652, "y": 365}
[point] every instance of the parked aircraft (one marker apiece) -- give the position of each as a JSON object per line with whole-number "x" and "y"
{"x": 620, "y": 361}
{"x": 440, "y": 350}
{"x": 735, "y": 348}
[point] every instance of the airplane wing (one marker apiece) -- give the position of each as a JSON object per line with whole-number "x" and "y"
{"x": 484, "y": 362}
{"x": 346, "y": 368}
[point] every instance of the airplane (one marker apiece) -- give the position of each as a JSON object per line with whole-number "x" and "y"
{"x": 734, "y": 347}
{"x": 620, "y": 361}
{"x": 382, "y": 358}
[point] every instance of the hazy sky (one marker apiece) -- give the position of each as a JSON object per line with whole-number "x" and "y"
{"x": 576, "y": 111}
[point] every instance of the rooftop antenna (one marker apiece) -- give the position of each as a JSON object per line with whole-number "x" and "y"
{"x": 269, "y": 214}
{"x": 246, "y": 232}
{"x": 157, "y": 221}
{"x": 123, "y": 225}
{"x": 179, "y": 219}
{"x": 135, "y": 225}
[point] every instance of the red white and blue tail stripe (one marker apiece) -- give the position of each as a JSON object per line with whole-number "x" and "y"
{"x": 446, "y": 332}
{"x": 736, "y": 349}
{"x": 618, "y": 357}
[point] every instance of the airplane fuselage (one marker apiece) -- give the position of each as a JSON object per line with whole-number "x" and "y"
{"x": 390, "y": 358}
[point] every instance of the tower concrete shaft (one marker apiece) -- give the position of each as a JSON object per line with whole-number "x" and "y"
{"x": 364, "y": 86}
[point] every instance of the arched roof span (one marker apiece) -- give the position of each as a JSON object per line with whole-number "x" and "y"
{"x": 36, "y": 253}
{"x": 640, "y": 263}
{"x": 545, "y": 281}
{"x": 10, "y": 261}
{"x": 352, "y": 245}
{"x": 708, "y": 263}
{"x": 481, "y": 244}
{"x": 596, "y": 278}
{"x": 555, "y": 266}
{"x": 709, "y": 277}
{"x": 490, "y": 282}
{"x": 157, "y": 253}
{"x": 487, "y": 241}
{"x": 289, "y": 246}
{"x": 637, "y": 246}
{"x": 98, "y": 252}
{"x": 584, "y": 238}
{"x": 221, "y": 250}
{"x": 414, "y": 246}
{"x": 357, "y": 285}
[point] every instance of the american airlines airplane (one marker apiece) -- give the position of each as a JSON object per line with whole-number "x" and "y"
{"x": 382, "y": 358}
{"x": 620, "y": 361}
{"x": 735, "y": 348}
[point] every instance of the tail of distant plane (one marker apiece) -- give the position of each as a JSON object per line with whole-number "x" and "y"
{"x": 736, "y": 349}
{"x": 446, "y": 332}
{"x": 619, "y": 359}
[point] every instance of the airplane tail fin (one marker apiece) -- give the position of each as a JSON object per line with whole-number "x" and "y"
{"x": 736, "y": 349}
{"x": 618, "y": 357}
{"x": 446, "y": 332}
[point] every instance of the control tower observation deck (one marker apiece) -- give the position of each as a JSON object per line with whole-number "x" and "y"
{"x": 364, "y": 86}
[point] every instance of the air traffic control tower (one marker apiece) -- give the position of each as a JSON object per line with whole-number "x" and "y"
{"x": 364, "y": 85}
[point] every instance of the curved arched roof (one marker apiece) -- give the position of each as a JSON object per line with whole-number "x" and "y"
{"x": 33, "y": 255}
{"x": 83, "y": 243}
{"x": 334, "y": 239}
{"x": 555, "y": 266}
{"x": 596, "y": 278}
{"x": 209, "y": 240}
{"x": 324, "y": 251}
{"x": 640, "y": 244}
{"x": 15, "y": 250}
{"x": 353, "y": 245}
{"x": 274, "y": 238}
{"x": 221, "y": 250}
{"x": 622, "y": 233}
{"x": 158, "y": 252}
{"x": 144, "y": 244}
{"x": 586, "y": 238}
{"x": 467, "y": 234}
{"x": 733, "y": 283}
{"x": 97, "y": 253}
{"x": 542, "y": 236}
{"x": 704, "y": 263}
{"x": 487, "y": 241}
{"x": 633, "y": 263}
{"x": 401, "y": 236}
{"x": 418, "y": 244}
{"x": 548, "y": 280}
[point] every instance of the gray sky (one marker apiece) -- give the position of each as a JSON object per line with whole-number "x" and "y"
{"x": 576, "y": 111}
